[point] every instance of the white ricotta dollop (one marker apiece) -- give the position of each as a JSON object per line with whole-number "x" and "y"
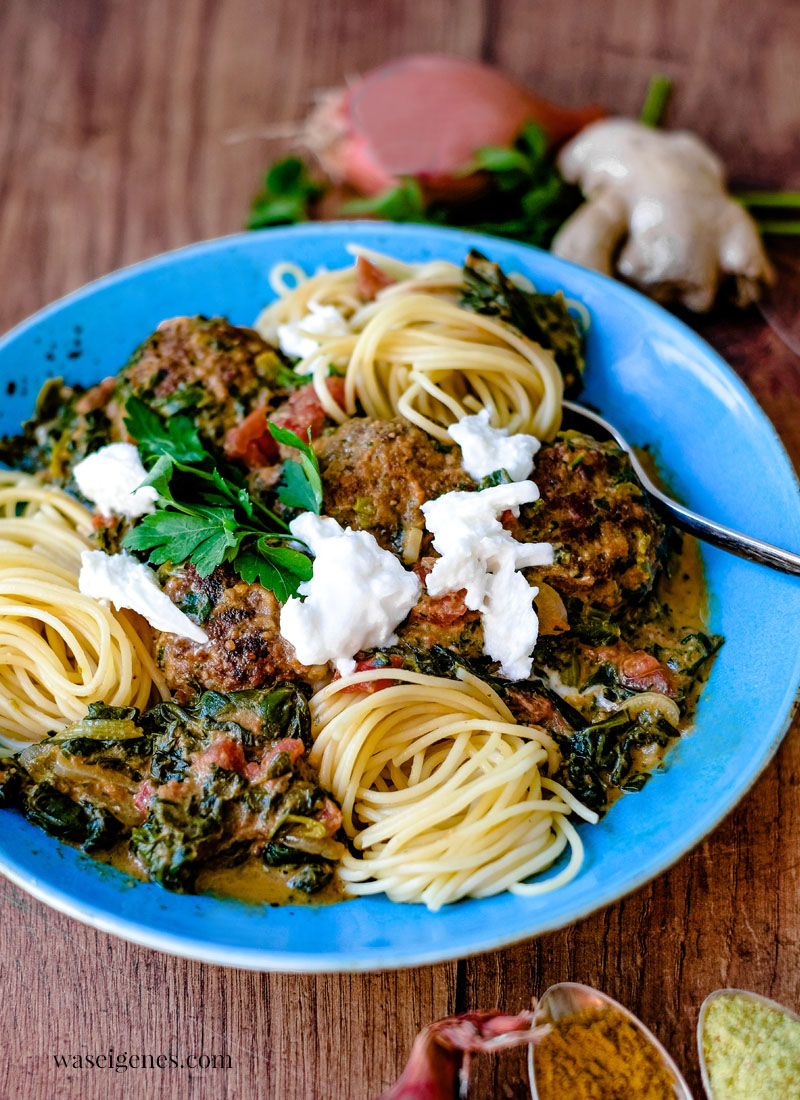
{"x": 124, "y": 581}
{"x": 479, "y": 555}
{"x": 357, "y": 596}
{"x": 485, "y": 449}
{"x": 112, "y": 479}
{"x": 298, "y": 339}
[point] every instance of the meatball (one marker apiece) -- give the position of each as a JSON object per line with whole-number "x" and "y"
{"x": 442, "y": 620}
{"x": 608, "y": 540}
{"x": 215, "y": 370}
{"x": 245, "y": 648}
{"x": 377, "y": 473}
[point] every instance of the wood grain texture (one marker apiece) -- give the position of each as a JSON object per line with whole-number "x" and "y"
{"x": 131, "y": 126}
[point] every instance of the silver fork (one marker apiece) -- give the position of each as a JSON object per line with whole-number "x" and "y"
{"x": 745, "y": 546}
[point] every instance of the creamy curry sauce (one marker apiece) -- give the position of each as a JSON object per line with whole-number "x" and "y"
{"x": 249, "y": 881}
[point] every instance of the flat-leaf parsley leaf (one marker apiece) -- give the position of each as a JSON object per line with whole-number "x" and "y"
{"x": 300, "y": 485}
{"x": 176, "y": 437}
{"x": 205, "y": 513}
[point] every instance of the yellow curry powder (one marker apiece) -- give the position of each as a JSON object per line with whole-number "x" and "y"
{"x": 751, "y": 1051}
{"x": 599, "y": 1054}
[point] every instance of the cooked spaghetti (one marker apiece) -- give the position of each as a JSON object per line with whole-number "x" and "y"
{"x": 415, "y": 351}
{"x": 59, "y": 650}
{"x": 441, "y": 790}
{"x": 462, "y": 765}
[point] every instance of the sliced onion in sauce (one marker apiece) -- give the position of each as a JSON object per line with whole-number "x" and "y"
{"x": 551, "y": 611}
{"x": 652, "y": 700}
{"x": 412, "y": 542}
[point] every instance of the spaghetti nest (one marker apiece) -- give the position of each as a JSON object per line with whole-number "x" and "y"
{"x": 442, "y": 792}
{"x": 59, "y": 650}
{"x": 415, "y": 352}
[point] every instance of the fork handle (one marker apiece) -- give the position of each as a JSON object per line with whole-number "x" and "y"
{"x": 744, "y": 546}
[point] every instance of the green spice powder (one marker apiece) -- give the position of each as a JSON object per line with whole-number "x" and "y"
{"x": 752, "y": 1052}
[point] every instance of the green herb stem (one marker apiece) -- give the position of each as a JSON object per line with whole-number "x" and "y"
{"x": 780, "y": 228}
{"x": 402, "y": 203}
{"x": 769, "y": 200}
{"x": 526, "y": 198}
{"x": 655, "y": 101}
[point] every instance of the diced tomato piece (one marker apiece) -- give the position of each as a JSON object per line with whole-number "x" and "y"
{"x": 534, "y": 710}
{"x": 170, "y": 791}
{"x": 440, "y": 610}
{"x": 368, "y": 687}
{"x": 225, "y": 753}
{"x": 97, "y": 396}
{"x": 370, "y": 279}
{"x": 423, "y": 567}
{"x": 643, "y": 672}
{"x": 250, "y": 442}
{"x": 331, "y": 817}
{"x": 613, "y": 654}
{"x": 447, "y": 609}
{"x": 99, "y": 521}
{"x": 291, "y": 745}
{"x": 143, "y": 797}
{"x": 303, "y": 412}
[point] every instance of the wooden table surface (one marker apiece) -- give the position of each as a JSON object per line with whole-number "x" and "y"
{"x": 116, "y": 127}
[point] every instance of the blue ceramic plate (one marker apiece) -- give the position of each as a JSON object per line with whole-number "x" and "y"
{"x": 663, "y": 386}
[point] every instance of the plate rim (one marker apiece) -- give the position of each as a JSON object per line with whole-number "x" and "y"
{"x": 265, "y": 959}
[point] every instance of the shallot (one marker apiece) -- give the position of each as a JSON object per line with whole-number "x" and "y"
{"x": 424, "y": 117}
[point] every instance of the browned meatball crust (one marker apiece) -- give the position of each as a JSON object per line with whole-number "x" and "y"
{"x": 376, "y": 474}
{"x": 217, "y": 370}
{"x": 608, "y": 540}
{"x": 245, "y": 648}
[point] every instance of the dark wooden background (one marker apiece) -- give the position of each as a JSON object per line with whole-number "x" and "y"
{"x": 116, "y": 118}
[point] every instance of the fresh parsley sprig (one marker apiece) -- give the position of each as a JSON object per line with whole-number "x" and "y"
{"x": 527, "y": 198}
{"x": 176, "y": 437}
{"x": 300, "y": 485}
{"x": 287, "y": 195}
{"x": 205, "y": 513}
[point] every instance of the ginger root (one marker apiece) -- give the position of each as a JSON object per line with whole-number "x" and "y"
{"x": 658, "y": 215}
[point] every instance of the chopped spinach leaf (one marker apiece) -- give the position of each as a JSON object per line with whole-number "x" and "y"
{"x": 191, "y": 786}
{"x": 599, "y": 757}
{"x": 311, "y": 877}
{"x": 13, "y": 779}
{"x": 78, "y": 822}
{"x": 541, "y": 317}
